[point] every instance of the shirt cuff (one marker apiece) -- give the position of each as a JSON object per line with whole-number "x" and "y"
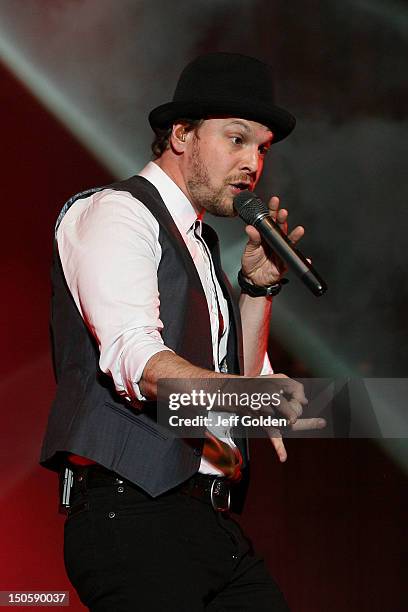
{"x": 131, "y": 375}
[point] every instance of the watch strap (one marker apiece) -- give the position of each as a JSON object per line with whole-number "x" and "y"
{"x": 259, "y": 291}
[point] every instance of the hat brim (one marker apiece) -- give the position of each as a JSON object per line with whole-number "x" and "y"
{"x": 278, "y": 120}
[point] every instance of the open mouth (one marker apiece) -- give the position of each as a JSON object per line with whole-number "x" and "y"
{"x": 238, "y": 187}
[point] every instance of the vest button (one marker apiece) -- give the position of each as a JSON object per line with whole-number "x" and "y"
{"x": 197, "y": 452}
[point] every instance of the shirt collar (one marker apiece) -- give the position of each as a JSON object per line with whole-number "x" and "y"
{"x": 177, "y": 203}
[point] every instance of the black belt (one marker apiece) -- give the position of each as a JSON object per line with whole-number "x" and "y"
{"x": 209, "y": 489}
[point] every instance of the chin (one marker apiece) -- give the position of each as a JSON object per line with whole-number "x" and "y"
{"x": 219, "y": 207}
{"x": 223, "y": 211}
{"x": 225, "y": 208}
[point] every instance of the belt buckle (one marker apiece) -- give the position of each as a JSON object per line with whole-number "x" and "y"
{"x": 220, "y": 495}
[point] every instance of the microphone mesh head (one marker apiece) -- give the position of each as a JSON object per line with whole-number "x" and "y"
{"x": 249, "y": 206}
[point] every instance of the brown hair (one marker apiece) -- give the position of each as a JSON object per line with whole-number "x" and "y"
{"x": 162, "y": 139}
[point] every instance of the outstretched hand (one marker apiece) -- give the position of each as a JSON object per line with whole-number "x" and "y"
{"x": 293, "y": 401}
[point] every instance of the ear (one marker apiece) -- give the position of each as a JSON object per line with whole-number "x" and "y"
{"x": 178, "y": 137}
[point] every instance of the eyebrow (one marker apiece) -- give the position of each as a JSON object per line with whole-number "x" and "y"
{"x": 243, "y": 125}
{"x": 248, "y": 129}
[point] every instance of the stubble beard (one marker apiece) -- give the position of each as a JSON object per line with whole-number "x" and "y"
{"x": 202, "y": 193}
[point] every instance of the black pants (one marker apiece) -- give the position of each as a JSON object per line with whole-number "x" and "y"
{"x": 127, "y": 552}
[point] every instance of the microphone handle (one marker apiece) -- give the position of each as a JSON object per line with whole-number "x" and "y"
{"x": 296, "y": 261}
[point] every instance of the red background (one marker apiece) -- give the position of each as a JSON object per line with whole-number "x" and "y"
{"x": 329, "y": 522}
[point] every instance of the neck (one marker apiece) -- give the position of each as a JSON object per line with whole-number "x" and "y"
{"x": 172, "y": 167}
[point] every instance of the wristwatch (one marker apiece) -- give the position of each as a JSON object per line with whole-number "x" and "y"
{"x": 258, "y": 291}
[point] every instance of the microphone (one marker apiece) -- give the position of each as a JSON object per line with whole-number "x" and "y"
{"x": 254, "y": 212}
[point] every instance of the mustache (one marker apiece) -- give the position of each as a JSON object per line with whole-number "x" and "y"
{"x": 242, "y": 178}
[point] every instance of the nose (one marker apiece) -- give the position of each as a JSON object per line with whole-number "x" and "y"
{"x": 251, "y": 160}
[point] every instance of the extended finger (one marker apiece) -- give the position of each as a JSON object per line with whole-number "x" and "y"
{"x": 282, "y": 216}
{"x": 278, "y": 445}
{"x": 304, "y": 424}
{"x": 273, "y": 206}
{"x": 296, "y": 234}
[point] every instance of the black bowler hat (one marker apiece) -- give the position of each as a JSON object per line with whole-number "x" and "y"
{"x": 225, "y": 84}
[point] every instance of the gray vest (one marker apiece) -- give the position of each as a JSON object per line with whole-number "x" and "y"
{"x": 88, "y": 417}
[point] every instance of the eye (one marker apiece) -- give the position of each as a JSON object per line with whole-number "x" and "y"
{"x": 237, "y": 140}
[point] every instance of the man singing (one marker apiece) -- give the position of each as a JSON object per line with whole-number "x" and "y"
{"x": 139, "y": 295}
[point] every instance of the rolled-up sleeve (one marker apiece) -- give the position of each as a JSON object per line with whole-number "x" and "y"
{"x": 110, "y": 252}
